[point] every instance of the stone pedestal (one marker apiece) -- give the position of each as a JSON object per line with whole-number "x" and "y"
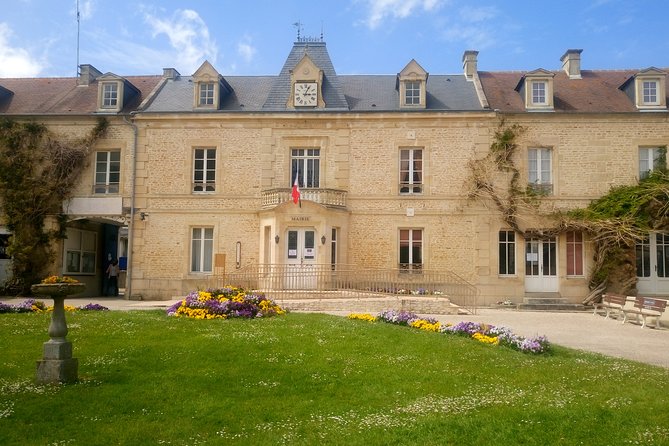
{"x": 58, "y": 365}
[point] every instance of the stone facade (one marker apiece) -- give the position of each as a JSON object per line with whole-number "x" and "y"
{"x": 176, "y": 236}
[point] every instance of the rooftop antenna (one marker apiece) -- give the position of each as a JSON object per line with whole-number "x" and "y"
{"x": 78, "y": 22}
{"x": 321, "y": 30}
{"x": 298, "y": 25}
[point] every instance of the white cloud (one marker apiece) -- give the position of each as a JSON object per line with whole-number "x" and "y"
{"x": 15, "y": 62}
{"x": 188, "y": 35}
{"x": 379, "y": 10}
{"x": 246, "y": 50}
{"x": 86, "y": 8}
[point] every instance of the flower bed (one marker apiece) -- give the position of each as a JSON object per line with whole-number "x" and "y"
{"x": 37, "y": 306}
{"x": 485, "y": 333}
{"x": 224, "y": 303}
{"x": 59, "y": 279}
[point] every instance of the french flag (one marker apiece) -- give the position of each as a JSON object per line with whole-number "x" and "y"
{"x": 296, "y": 190}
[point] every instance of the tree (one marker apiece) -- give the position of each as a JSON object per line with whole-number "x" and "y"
{"x": 37, "y": 172}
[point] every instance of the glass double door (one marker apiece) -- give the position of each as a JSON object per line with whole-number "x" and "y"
{"x": 301, "y": 259}
{"x": 652, "y": 264}
{"x": 541, "y": 265}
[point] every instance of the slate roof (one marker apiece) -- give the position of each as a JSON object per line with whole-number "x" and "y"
{"x": 356, "y": 93}
{"x": 62, "y": 96}
{"x": 598, "y": 91}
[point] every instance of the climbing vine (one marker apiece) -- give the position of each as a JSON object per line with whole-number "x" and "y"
{"x": 37, "y": 172}
{"x": 615, "y": 222}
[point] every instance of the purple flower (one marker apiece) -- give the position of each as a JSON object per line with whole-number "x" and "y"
{"x": 93, "y": 307}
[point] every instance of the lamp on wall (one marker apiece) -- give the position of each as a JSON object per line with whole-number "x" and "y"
{"x": 143, "y": 215}
{"x": 276, "y": 239}
{"x": 322, "y": 240}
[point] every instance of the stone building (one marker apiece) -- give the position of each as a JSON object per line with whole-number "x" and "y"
{"x": 195, "y": 178}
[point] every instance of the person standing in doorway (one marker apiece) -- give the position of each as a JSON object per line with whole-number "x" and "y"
{"x": 112, "y": 275}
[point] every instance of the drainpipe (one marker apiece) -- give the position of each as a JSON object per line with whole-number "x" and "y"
{"x": 131, "y": 225}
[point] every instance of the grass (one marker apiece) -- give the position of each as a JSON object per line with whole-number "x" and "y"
{"x": 312, "y": 379}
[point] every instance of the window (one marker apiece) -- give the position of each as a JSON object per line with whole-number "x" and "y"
{"x": 507, "y": 253}
{"x": 411, "y": 171}
{"x": 539, "y": 171}
{"x": 80, "y": 251}
{"x": 206, "y": 93}
{"x": 651, "y": 158}
{"x": 202, "y": 250}
{"x": 107, "y": 172}
{"x": 109, "y": 95}
{"x": 333, "y": 249}
{"x": 649, "y": 92}
{"x": 305, "y": 165}
{"x": 204, "y": 170}
{"x": 412, "y": 93}
{"x": 574, "y": 253}
{"x": 4, "y": 244}
{"x": 411, "y": 250}
{"x": 539, "y": 93}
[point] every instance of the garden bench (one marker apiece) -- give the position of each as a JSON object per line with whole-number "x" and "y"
{"x": 611, "y": 302}
{"x": 646, "y": 307}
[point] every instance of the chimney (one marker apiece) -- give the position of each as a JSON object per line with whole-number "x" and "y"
{"x": 469, "y": 64}
{"x": 87, "y": 74}
{"x": 571, "y": 63}
{"x": 170, "y": 73}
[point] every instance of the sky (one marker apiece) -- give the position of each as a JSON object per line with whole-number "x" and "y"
{"x": 39, "y": 38}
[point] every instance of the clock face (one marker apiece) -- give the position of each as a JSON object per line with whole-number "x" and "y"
{"x": 306, "y": 94}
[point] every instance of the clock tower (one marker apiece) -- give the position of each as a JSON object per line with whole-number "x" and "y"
{"x": 306, "y": 80}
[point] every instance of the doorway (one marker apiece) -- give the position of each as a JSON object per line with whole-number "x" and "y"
{"x": 652, "y": 264}
{"x": 301, "y": 270}
{"x": 541, "y": 265}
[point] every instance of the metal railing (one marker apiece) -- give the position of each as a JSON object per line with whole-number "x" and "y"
{"x": 305, "y": 281}
{"x": 334, "y": 198}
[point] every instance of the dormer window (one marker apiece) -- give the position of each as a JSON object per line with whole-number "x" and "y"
{"x": 539, "y": 93}
{"x": 209, "y": 88}
{"x": 412, "y": 83}
{"x": 114, "y": 92}
{"x": 647, "y": 89}
{"x": 110, "y": 95}
{"x": 650, "y": 89}
{"x": 536, "y": 88}
{"x": 207, "y": 93}
{"x": 412, "y": 93}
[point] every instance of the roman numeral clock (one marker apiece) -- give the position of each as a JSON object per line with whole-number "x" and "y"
{"x": 306, "y": 94}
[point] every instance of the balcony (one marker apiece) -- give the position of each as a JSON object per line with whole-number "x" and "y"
{"x": 331, "y": 198}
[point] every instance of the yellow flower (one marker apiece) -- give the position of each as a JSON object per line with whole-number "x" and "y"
{"x": 362, "y": 316}
{"x": 486, "y": 339}
{"x": 422, "y": 324}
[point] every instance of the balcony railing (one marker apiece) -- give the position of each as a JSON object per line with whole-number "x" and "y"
{"x": 333, "y": 198}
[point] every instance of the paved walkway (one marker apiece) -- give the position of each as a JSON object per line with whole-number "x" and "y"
{"x": 581, "y": 330}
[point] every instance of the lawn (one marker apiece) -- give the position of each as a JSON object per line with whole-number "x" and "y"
{"x": 314, "y": 379}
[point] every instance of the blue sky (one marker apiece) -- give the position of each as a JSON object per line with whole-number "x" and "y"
{"x": 38, "y": 38}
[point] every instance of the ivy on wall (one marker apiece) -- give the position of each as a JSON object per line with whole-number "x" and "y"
{"x": 37, "y": 172}
{"x": 614, "y": 223}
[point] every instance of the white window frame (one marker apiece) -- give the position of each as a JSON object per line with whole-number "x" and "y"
{"x": 539, "y": 94}
{"x": 80, "y": 253}
{"x": 207, "y": 92}
{"x": 540, "y": 170}
{"x": 411, "y": 239}
{"x": 204, "y": 170}
{"x": 201, "y": 250}
{"x": 305, "y": 163}
{"x": 106, "y": 171}
{"x": 412, "y": 92}
{"x": 646, "y": 154}
{"x": 411, "y": 171}
{"x": 650, "y": 92}
{"x": 110, "y": 91}
{"x": 506, "y": 252}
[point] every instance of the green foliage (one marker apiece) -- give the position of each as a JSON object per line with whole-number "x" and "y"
{"x": 313, "y": 379}
{"x": 37, "y": 172}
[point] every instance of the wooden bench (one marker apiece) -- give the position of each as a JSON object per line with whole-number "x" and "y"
{"x": 611, "y": 302}
{"x": 646, "y": 307}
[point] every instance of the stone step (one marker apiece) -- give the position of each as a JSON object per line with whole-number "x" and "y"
{"x": 553, "y": 307}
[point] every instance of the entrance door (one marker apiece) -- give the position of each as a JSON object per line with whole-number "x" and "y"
{"x": 301, "y": 259}
{"x": 652, "y": 264}
{"x": 541, "y": 265}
